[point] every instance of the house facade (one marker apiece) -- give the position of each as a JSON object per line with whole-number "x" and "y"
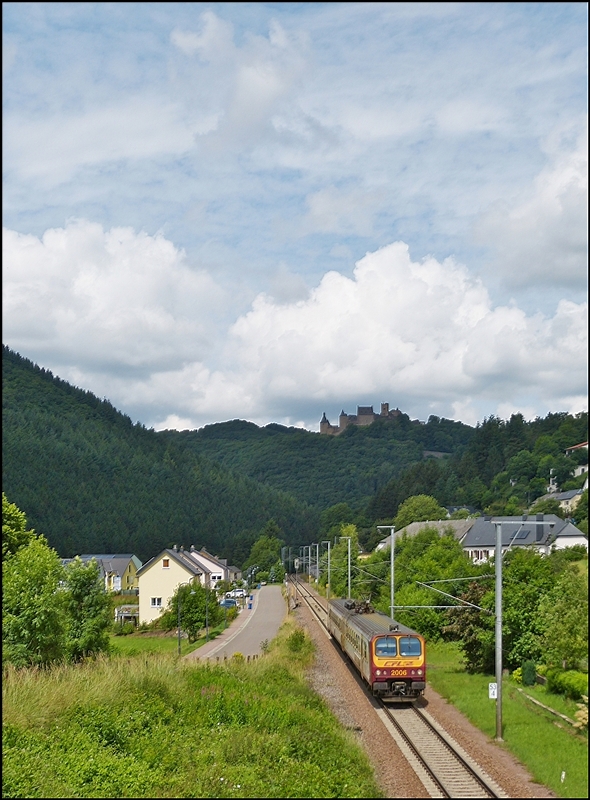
{"x": 160, "y": 577}
{"x": 117, "y": 570}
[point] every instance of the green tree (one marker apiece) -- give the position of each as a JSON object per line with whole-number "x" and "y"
{"x": 419, "y": 508}
{"x": 14, "y": 528}
{"x": 266, "y": 550}
{"x": 563, "y": 620}
{"x": 33, "y": 619}
{"x": 548, "y": 506}
{"x": 87, "y": 607}
{"x": 473, "y": 628}
{"x": 198, "y": 606}
{"x": 581, "y": 512}
{"x": 461, "y": 513}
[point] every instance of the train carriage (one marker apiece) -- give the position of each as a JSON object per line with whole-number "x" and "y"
{"x": 390, "y": 657}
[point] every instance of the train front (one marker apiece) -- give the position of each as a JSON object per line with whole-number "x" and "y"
{"x": 398, "y": 666}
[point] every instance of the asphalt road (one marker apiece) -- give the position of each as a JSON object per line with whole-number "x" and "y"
{"x": 252, "y": 627}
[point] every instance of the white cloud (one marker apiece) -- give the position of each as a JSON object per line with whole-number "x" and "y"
{"x": 332, "y": 210}
{"x": 123, "y": 314}
{"x": 213, "y": 43}
{"x": 543, "y": 239}
{"x": 267, "y": 143}
{"x": 116, "y": 298}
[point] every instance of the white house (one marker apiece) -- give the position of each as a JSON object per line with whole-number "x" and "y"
{"x": 543, "y": 532}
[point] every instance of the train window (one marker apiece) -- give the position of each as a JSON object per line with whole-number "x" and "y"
{"x": 410, "y": 646}
{"x": 386, "y": 646}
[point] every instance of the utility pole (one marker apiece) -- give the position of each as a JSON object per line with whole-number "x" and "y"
{"x": 328, "y": 584}
{"x": 498, "y": 609}
{"x": 391, "y": 529}
{"x": 349, "y": 539}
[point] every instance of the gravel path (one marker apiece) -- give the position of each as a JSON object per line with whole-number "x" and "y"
{"x": 337, "y": 684}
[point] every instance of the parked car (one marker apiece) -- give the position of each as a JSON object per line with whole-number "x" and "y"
{"x": 228, "y": 602}
{"x": 236, "y": 593}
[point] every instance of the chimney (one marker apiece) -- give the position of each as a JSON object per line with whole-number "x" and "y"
{"x": 192, "y": 548}
{"x": 175, "y": 548}
{"x": 182, "y": 548}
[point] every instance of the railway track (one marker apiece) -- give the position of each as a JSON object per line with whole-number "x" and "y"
{"x": 441, "y": 764}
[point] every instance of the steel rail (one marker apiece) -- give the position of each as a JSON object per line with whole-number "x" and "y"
{"x": 445, "y": 765}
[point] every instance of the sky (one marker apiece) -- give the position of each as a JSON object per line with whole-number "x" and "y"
{"x": 268, "y": 211}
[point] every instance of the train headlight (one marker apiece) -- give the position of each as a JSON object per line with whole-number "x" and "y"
{"x": 419, "y": 672}
{"x": 378, "y": 672}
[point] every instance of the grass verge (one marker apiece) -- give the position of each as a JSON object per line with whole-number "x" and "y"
{"x": 544, "y": 743}
{"x": 156, "y": 726}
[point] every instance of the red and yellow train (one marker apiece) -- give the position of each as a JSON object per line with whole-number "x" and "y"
{"x": 390, "y": 658}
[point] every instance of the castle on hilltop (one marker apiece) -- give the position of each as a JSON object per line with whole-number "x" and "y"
{"x": 364, "y": 416}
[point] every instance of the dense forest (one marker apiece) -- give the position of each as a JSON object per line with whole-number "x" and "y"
{"x": 92, "y": 481}
{"x": 324, "y": 470}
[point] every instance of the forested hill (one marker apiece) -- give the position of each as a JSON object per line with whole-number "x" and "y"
{"x": 93, "y": 482}
{"x": 325, "y": 470}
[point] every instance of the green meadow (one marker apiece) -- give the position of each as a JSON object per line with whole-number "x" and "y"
{"x": 153, "y": 725}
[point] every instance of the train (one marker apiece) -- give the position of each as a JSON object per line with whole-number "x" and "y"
{"x": 390, "y": 658}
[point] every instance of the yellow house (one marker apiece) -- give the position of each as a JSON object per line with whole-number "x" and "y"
{"x": 118, "y": 570}
{"x": 160, "y": 577}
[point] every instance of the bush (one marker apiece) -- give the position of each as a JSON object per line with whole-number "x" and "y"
{"x": 568, "y": 682}
{"x": 125, "y": 629}
{"x": 582, "y": 714}
{"x": 517, "y": 675}
{"x": 296, "y": 641}
{"x": 529, "y": 673}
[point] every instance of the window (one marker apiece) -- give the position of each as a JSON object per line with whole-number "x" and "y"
{"x": 386, "y": 646}
{"x": 156, "y": 602}
{"x": 410, "y": 646}
{"x": 165, "y": 562}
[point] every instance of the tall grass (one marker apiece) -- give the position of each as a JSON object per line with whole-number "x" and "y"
{"x": 156, "y": 726}
{"x": 545, "y": 745}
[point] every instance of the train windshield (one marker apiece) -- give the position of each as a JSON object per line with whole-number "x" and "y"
{"x": 410, "y": 646}
{"x": 386, "y": 646}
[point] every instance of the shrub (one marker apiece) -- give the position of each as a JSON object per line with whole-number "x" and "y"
{"x": 529, "y": 673}
{"x": 296, "y": 641}
{"x": 517, "y": 675}
{"x": 582, "y": 714}
{"x": 568, "y": 682}
{"x": 125, "y": 629}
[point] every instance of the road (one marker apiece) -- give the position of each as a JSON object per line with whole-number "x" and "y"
{"x": 251, "y": 627}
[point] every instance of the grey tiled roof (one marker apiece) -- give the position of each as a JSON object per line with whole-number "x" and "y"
{"x": 538, "y": 529}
